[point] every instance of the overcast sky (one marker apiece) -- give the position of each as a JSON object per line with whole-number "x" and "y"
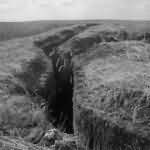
{"x": 20, "y": 10}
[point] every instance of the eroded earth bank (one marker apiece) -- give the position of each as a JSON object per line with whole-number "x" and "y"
{"x": 89, "y": 81}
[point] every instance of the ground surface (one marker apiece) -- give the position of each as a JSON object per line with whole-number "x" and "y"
{"x": 109, "y": 64}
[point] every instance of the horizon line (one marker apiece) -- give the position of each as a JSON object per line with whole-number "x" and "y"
{"x": 40, "y": 20}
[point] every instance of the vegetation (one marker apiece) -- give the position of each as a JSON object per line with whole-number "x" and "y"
{"x": 97, "y": 72}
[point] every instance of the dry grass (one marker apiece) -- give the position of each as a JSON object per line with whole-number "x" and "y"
{"x": 21, "y": 65}
{"x": 113, "y": 93}
{"x": 116, "y": 75}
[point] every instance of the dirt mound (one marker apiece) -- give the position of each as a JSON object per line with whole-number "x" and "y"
{"x": 92, "y": 36}
{"x": 102, "y": 33}
{"x": 20, "y": 70}
{"x": 58, "y": 37}
{"x": 112, "y": 91}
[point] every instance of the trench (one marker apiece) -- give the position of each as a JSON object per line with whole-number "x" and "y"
{"x": 59, "y": 102}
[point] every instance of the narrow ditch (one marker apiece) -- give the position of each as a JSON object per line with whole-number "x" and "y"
{"x": 58, "y": 91}
{"x": 60, "y": 105}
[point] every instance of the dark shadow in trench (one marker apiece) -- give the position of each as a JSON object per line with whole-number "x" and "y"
{"x": 60, "y": 105}
{"x": 63, "y": 107}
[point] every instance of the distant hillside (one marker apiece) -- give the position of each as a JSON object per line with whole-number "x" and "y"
{"x": 9, "y": 30}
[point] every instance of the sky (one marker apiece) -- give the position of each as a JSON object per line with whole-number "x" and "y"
{"x": 23, "y": 10}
